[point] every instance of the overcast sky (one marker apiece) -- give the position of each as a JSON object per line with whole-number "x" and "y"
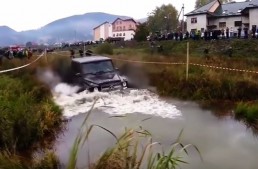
{"x": 32, "y": 14}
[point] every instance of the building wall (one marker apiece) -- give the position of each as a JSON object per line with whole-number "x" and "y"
{"x": 123, "y": 25}
{"x": 108, "y": 30}
{"x": 253, "y": 14}
{"x": 103, "y": 31}
{"x": 201, "y": 22}
{"x": 96, "y": 34}
{"x": 230, "y": 22}
{"x": 127, "y": 35}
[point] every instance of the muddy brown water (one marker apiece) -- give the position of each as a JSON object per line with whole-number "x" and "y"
{"x": 224, "y": 142}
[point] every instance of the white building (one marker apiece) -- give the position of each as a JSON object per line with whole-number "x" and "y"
{"x": 217, "y": 16}
{"x": 120, "y": 28}
{"x": 124, "y": 28}
{"x": 103, "y": 31}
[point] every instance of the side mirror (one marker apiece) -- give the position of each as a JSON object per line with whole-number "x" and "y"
{"x": 78, "y": 74}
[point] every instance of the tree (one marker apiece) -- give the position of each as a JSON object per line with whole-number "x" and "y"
{"x": 163, "y": 18}
{"x": 200, "y": 3}
{"x": 141, "y": 32}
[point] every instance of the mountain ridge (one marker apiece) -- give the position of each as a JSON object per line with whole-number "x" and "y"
{"x": 71, "y": 28}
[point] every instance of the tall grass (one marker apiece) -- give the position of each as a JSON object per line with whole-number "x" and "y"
{"x": 105, "y": 48}
{"x": 248, "y": 112}
{"x": 126, "y": 153}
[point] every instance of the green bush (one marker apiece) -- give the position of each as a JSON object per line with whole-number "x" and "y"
{"x": 27, "y": 113}
{"x": 105, "y": 48}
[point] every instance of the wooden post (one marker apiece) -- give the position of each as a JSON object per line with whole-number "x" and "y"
{"x": 187, "y": 61}
{"x": 46, "y": 55}
{"x": 83, "y": 48}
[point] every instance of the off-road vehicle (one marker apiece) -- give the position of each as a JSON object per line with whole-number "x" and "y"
{"x": 97, "y": 73}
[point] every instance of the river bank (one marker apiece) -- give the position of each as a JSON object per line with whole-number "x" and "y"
{"x": 29, "y": 119}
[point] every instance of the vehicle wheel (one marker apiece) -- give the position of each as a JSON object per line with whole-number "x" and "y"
{"x": 91, "y": 90}
{"x": 81, "y": 89}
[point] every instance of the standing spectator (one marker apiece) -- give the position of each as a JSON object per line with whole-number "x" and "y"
{"x": 81, "y": 52}
{"x": 72, "y": 53}
{"x": 223, "y": 33}
{"x": 205, "y": 35}
{"x": 198, "y": 35}
{"x": 231, "y": 32}
{"x": 246, "y": 32}
{"x": 239, "y": 32}
{"x": 181, "y": 36}
{"x": 187, "y": 34}
{"x": 176, "y": 36}
{"x": 253, "y": 31}
{"x": 227, "y": 33}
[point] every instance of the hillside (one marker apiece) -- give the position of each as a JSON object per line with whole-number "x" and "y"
{"x": 77, "y": 27}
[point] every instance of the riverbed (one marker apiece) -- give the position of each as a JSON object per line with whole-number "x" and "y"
{"x": 222, "y": 141}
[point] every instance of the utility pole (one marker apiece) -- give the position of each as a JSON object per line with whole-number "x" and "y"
{"x": 183, "y": 26}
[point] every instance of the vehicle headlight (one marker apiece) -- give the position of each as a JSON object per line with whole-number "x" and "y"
{"x": 93, "y": 84}
{"x": 124, "y": 84}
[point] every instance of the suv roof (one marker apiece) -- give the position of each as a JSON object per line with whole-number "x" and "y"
{"x": 90, "y": 59}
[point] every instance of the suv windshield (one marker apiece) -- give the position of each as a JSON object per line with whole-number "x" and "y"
{"x": 97, "y": 67}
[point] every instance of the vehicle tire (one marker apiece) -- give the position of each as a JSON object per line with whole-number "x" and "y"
{"x": 81, "y": 89}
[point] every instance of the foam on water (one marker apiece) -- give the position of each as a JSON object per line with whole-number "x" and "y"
{"x": 113, "y": 103}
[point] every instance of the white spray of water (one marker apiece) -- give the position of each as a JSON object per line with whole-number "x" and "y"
{"x": 113, "y": 103}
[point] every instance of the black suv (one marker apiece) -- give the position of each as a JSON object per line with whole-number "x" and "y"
{"x": 97, "y": 73}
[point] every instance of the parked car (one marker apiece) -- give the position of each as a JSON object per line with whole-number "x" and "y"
{"x": 97, "y": 73}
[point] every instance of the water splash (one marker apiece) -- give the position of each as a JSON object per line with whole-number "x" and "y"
{"x": 113, "y": 103}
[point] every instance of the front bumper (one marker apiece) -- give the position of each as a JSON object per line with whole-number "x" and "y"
{"x": 112, "y": 88}
{"x": 108, "y": 87}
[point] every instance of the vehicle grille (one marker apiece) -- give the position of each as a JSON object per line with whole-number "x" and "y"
{"x": 109, "y": 84}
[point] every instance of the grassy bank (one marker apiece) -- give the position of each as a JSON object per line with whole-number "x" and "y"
{"x": 248, "y": 112}
{"x": 29, "y": 119}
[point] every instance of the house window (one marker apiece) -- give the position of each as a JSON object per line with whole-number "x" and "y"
{"x": 120, "y": 28}
{"x": 124, "y": 34}
{"x": 120, "y": 34}
{"x": 130, "y": 26}
{"x": 117, "y": 34}
{"x": 114, "y": 35}
{"x": 238, "y": 23}
{"x": 193, "y": 20}
{"x": 222, "y": 24}
{"x": 123, "y": 27}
